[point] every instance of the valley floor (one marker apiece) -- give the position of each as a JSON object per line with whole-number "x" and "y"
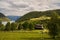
{"x": 24, "y": 35}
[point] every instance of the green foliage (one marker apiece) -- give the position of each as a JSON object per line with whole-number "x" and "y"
{"x": 31, "y": 26}
{"x": 53, "y": 25}
{"x": 13, "y": 26}
{"x": 54, "y": 17}
{"x": 8, "y": 27}
{"x": 2, "y": 27}
{"x": 20, "y": 26}
{"x": 58, "y": 25}
{"x": 53, "y": 30}
{"x": 25, "y": 25}
{"x": 0, "y": 22}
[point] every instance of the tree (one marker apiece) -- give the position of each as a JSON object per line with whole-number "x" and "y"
{"x": 13, "y": 26}
{"x": 25, "y": 25}
{"x": 20, "y": 26}
{"x": 2, "y": 27}
{"x": 53, "y": 30}
{"x": 54, "y": 17}
{"x": 53, "y": 25}
{"x": 0, "y": 22}
{"x": 8, "y": 26}
{"x": 31, "y": 26}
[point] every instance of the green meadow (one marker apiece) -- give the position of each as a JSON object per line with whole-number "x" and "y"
{"x": 25, "y": 35}
{"x": 25, "y": 28}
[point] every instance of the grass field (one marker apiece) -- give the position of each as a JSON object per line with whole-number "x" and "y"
{"x": 24, "y": 35}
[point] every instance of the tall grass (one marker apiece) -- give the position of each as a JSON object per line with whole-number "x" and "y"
{"x": 24, "y": 35}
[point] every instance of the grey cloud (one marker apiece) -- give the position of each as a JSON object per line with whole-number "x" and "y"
{"x": 58, "y": 4}
{"x": 1, "y": 0}
{"x": 12, "y": 7}
{"x": 18, "y": 6}
{"x": 29, "y": 9}
{"x": 1, "y": 9}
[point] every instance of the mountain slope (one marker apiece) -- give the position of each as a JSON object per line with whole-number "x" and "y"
{"x": 36, "y": 14}
{"x": 3, "y": 17}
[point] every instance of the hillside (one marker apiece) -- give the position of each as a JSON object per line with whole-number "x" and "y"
{"x": 3, "y": 17}
{"x": 36, "y": 14}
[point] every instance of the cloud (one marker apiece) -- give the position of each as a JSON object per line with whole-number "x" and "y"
{"x": 4, "y": 4}
{"x": 21, "y": 7}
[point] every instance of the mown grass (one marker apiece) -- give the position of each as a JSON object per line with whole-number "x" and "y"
{"x": 24, "y": 35}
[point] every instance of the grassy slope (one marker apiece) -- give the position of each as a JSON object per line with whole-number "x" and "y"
{"x": 4, "y": 19}
{"x": 24, "y": 35}
{"x": 41, "y": 18}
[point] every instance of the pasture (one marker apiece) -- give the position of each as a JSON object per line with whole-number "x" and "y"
{"x": 25, "y": 35}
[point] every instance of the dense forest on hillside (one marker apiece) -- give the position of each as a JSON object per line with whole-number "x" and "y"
{"x": 36, "y": 14}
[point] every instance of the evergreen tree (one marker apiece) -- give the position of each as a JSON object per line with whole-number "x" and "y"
{"x": 25, "y": 25}
{"x": 53, "y": 25}
{"x": 8, "y": 27}
{"x": 0, "y": 22}
{"x": 13, "y": 26}
{"x": 20, "y": 26}
{"x": 53, "y": 30}
{"x": 31, "y": 26}
{"x": 2, "y": 27}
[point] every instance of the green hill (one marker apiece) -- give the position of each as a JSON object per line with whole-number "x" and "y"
{"x": 3, "y": 17}
{"x": 36, "y": 14}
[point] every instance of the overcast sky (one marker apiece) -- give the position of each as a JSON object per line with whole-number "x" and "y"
{"x": 21, "y": 7}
